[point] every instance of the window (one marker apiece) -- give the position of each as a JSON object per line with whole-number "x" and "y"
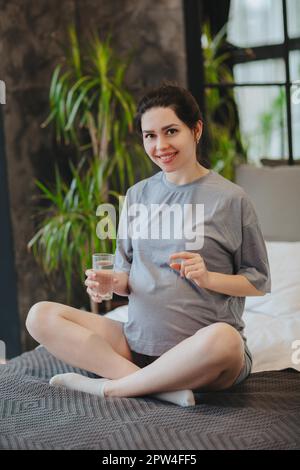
{"x": 265, "y": 39}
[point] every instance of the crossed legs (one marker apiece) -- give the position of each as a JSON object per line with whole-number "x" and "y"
{"x": 211, "y": 359}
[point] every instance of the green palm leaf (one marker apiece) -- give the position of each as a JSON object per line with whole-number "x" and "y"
{"x": 91, "y": 109}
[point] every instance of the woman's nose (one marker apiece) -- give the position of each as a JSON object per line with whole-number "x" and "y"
{"x": 161, "y": 143}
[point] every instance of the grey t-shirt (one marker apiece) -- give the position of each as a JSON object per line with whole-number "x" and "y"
{"x": 164, "y": 308}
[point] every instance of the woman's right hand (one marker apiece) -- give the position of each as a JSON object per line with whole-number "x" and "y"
{"x": 98, "y": 284}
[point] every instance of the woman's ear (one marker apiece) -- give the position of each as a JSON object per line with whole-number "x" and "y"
{"x": 198, "y": 131}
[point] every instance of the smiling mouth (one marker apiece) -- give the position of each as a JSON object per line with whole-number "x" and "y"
{"x": 167, "y": 158}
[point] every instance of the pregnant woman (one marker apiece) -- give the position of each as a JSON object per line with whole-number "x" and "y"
{"x": 189, "y": 250}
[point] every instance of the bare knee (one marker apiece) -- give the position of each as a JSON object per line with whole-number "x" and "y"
{"x": 39, "y": 319}
{"x": 223, "y": 343}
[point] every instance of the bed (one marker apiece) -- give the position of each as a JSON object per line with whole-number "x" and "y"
{"x": 261, "y": 413}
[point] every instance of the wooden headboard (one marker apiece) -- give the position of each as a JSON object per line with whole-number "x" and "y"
{"x": 275, "y": 193}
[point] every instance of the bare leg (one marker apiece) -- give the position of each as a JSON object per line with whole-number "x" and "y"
{"x": 82, "y": 339}
{"x": 90, "y": 342}
{"x": 89, "y": 351}
{"x": 213, "y": 358}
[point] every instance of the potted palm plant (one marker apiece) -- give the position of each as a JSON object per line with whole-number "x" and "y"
{"x": 92, "y": 113}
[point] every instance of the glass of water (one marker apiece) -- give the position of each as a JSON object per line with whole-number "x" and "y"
{"x": 104, "y": 262}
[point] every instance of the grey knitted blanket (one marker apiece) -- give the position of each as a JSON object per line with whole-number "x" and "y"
{"x": 261, "y": 413}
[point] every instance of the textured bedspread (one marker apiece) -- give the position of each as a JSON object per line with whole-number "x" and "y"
{"x": 262, "y": 413}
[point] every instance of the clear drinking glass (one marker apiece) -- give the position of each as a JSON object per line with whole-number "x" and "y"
{"x": 105, "y": 262}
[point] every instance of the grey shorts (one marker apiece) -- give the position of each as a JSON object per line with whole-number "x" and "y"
{"x": 142, "y": 360}
{"x": 246, "y": 369}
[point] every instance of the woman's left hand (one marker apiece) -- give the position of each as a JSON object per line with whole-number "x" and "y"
{"x": 192, "y": 267}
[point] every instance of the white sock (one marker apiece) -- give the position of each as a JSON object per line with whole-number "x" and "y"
{"x": 179, "y": 397}
{"x": 96, "y": 387}
{"x": 79, "y": 382}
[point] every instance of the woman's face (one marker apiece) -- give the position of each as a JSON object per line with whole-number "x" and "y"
{"x": 168, "y": 141}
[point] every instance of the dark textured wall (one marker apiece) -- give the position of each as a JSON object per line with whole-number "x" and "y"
{"x": 153, "y": 30}
{"x": 31, "y": 32}
{"x": 29, "y": 35}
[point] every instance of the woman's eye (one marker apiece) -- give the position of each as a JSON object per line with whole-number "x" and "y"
{"x": 169, "y": 130}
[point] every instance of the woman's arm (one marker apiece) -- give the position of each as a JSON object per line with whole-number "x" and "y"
{"x": 231, "y": 284}
{"x": 194, "y": 268}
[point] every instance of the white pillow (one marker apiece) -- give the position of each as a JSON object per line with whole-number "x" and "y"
{"x": 273, "y": 321}
{"x": 284, "y": 260}
{"x": 119, "y": 314}
{"x": 273, "y": 342}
